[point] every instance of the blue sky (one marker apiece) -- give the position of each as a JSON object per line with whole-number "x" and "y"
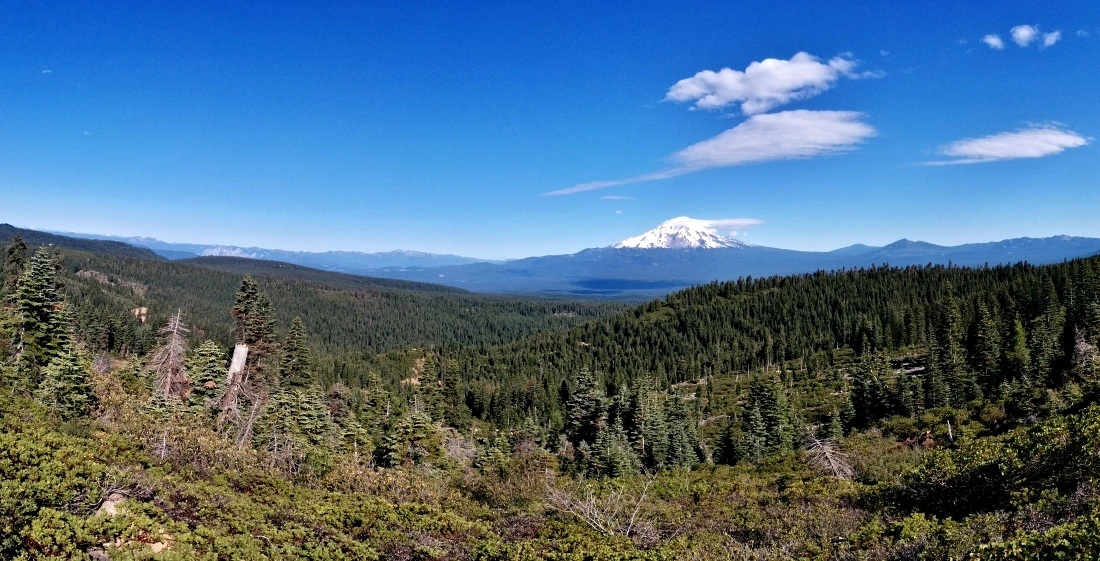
{"x": 516, "y": 129}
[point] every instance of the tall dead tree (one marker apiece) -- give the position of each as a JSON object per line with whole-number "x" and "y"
{"x": 172, "y": 381}
{"x": 253, "y": 370}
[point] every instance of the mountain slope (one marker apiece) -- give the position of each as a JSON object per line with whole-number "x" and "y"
{"x": 106, "y": 247}
{"x": 680, "y": 233}
{"x": 619, "y": 271}
{"x": 341, "y": 261}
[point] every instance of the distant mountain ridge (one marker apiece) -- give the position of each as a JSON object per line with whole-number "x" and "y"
{"x": 617, "y": 271}
{"x": 355, "y": 262}
{"x": 652, "y": 264}
{"x": 108, "y": 247}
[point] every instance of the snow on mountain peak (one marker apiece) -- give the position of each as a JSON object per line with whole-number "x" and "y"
{"x": 688, "y": 233}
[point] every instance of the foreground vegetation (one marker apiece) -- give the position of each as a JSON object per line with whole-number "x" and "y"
{"x": 924, "y": 413}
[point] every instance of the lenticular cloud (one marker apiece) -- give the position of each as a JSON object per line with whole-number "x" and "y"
{"x": 786, "y": 135}
{"x": 1032, "y": 142}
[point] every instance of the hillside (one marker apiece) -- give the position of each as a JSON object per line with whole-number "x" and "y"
{"x": 36, "y": 238}
{"x": 763, "y": 324}
{"x": 946, "y": 412}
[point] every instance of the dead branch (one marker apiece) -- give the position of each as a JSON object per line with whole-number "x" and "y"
{"x": 824, "y": 454}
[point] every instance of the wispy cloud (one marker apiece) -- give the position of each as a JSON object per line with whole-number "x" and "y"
{"x": 1049, "y": 39}
{"x": 787, "y": 135}
{"x": 1033, "y": 142}
{"x": 616, "y": 198}
{"x": 764, "y": 85}
{"x": 1023, "y": 35}
{"x": 994, "y": 41}
{"x": 47, "y": 71}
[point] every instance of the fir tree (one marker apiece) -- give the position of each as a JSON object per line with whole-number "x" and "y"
{"x": 207, "y": 369}
{"x": 15, "y": 258}
{"x": 296, "y": 364}
{"x": 683, "y": 438}
{"x": 987, "y": 349}
{"x": 40, "y": 329}
{"x": 586, "y": 411}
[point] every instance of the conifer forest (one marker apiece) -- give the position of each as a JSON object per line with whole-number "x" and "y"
{"x": 225, "y": 408}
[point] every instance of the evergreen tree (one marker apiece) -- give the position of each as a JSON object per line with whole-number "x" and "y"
{"x": 948, "y": 381}
{"x": 296, "y": 364}
{"x": 683, "y": 438}
{"x": 413, "y": 439}
{"x": 39, "y": 325}
{"x": 613, "y": 456}
{"x": 15, "y": 258}
{"x": 754, "y": 442}
{"x": 647, "y": 421}
{"x": 987, "y": 349}
{"x": 869, "y": 389}
{"x": 66, "y": 386}
{"x": 207, "y": 369}
{"x": 1017, "y": 355}
{"x": 586, "y": 411}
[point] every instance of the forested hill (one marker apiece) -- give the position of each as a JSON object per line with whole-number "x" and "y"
{"x": 343, "y": 313}
{"x": 36, "y": 238}
{"x": 947, "y": 413}
{"x": 329, "y": 279}
{"x": 755, "y": 324}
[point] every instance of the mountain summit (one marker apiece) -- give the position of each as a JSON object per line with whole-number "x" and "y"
{"x": 681, "y": 233}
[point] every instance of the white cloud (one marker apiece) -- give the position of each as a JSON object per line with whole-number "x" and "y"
{"x": 778, "y": 136}
{"x": 47, "y": 71}
{"x": 1032, "y": 142}
{"x": 994, "y": 41}
{"x": 1023, "y": 35}
{"x": 1082, "y": 33}
{"x": 787, "y": 135}
{"x": 1051, "y": 38}
{"x": 616, "y": 198}
{"x": 764, "y": 85}
{"x": 713, "y": 225}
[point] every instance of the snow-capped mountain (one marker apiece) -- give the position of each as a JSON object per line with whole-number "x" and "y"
{"x": 681, "y": 233}
{"x": 232, "y": 251}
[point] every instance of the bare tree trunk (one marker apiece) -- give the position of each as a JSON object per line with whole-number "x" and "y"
{"x": 234, "y": 383}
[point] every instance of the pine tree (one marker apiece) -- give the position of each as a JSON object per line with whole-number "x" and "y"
{"x": 66, "y": 386}
{"x": 37, "y": 307}
{"x": 948, "y": 380}
{"x": 413, "y": 439}
{"x": 987, "y": 349}
{"x": 296, "y": 364}
{"x": 683, "y": 438}
{"x": 869, "y": 389}
{"x": 648, "y": 426}
{"x": 15, "y": 259}
{"x": 586, "y": 411}
{"x": 754, "y": 442}
{"x": 612, "y": 454}
{"x": 1017, "y": 355}
{"x": 207, "y": 368}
